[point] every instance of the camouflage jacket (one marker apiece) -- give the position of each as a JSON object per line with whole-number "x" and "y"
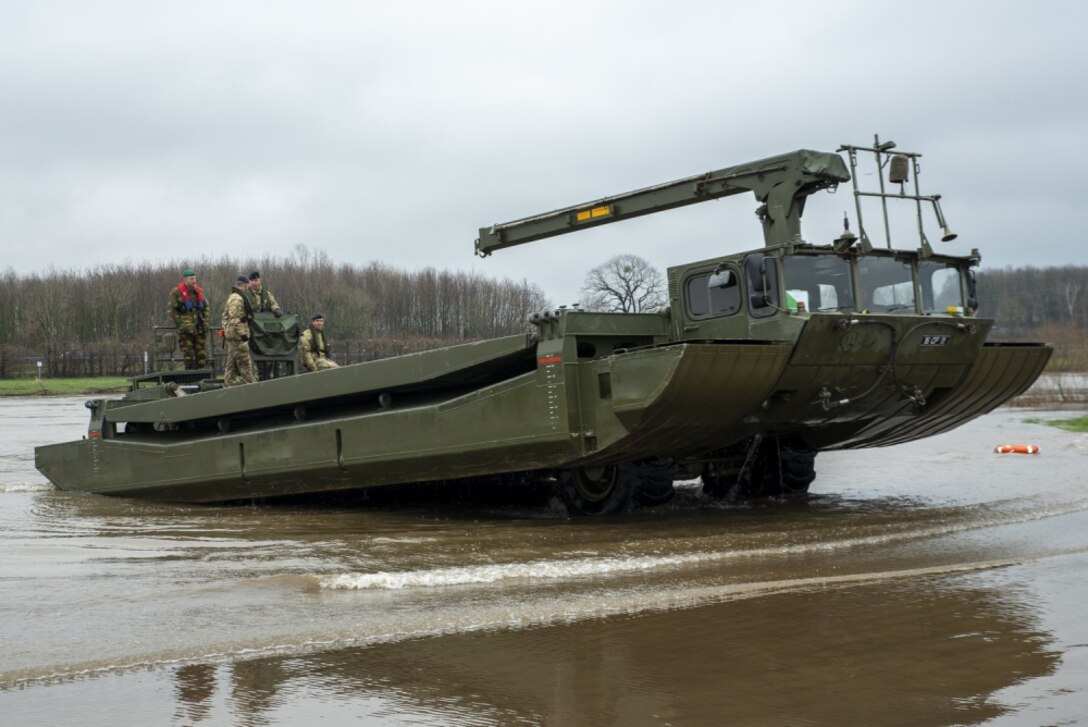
{"x": 263, "y": 300}
{"x": 236, "y": 316}
{"x": 191, "y": 318}
{"x": 312, "y": 346}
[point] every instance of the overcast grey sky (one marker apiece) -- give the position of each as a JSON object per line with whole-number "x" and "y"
{"x": 390, "y": 132}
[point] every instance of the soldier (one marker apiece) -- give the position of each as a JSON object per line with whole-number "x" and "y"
{"x": 188, "y": 309}
{"x": 261, "y": 298}
{"x": 237, "y": 314}
{"x": 314, "y": 349}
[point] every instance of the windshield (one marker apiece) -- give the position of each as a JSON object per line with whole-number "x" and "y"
{"x": 941, "y": 289}
{"x": 818, "y": 282}
{"x": 886, "y": 284}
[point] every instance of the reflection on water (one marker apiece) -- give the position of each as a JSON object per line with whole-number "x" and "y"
{"x": 932, "y": 583}
{"x": 254, "y": 687}
{"x": 834, "y": 656}
{"x": 195, "y": 687}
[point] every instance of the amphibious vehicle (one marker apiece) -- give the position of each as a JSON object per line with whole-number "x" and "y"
{"x": 760, "y": 360}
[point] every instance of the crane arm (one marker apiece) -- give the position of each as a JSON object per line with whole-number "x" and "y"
{"x": 780, "y": 183}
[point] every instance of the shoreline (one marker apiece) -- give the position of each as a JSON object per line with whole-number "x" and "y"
{"x": 64, "y": 387}
{"x": 1056, "y": 390}
{"x": 81, "y": 392}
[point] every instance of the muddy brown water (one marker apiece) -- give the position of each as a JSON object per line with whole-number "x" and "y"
{"x": 931, "y": 583}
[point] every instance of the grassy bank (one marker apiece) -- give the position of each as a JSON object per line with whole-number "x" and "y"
{"x": 1079, "y": 424}
{"x": 62, "y": 387}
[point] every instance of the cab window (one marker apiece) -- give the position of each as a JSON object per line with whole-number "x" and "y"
{"x": 887, "y": 285}
{"x": 941, "y": 288}
{"x": 818, "y": 283}
{"x": 705, "y": 300}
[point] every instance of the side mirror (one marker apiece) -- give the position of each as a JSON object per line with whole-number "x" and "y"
{"x": 721, "y": 279}
{"x": 757, "y": 273}
{"x": 761, "y": 272}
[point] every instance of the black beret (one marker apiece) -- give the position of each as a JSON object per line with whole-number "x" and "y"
{"x": 254, "y": 275}
{"x": 243, "y": 280}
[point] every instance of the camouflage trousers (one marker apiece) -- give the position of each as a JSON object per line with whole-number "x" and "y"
{"x": 239, "y": 365}
{"x": 194, "y": 349}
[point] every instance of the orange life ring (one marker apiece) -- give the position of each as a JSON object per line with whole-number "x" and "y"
{"x": 1016, "y": 449}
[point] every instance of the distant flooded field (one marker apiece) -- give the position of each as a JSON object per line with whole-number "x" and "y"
{"x": 932, "y": 583}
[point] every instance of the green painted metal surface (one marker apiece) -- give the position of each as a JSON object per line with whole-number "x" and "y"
{"x": 821, "y": 347}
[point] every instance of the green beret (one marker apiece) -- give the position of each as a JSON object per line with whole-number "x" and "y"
{"x": 187, "y": 272}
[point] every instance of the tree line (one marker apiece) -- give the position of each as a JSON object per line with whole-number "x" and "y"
{"x": 100, "y": 321}
{"x": 1048, "y": 304}
{"x": 1028, "y": 298}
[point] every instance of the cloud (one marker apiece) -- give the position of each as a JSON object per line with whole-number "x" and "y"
{"x": 392, "y": 132}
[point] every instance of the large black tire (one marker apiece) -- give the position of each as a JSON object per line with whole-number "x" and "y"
{"x": 655, "y": 481}
{"x": 796, "y": 468}
{"x": 598, "y": 490}
{"x": 779, "y": 467}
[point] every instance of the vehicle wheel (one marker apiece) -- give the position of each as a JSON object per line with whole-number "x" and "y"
{"x": 597, "y": 490}
{"x": 797, "y": 467}
{"x": 722, "y": 481}
{"x": 655, "y": 481}
{"x": 780, "y": 467}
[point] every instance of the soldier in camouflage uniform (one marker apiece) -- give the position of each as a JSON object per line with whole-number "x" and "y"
{"x": 260, "y": 298}
{"x": 188, "y": 309}
{"x": 314, "y": 348}
{"x": 237, "y": 314}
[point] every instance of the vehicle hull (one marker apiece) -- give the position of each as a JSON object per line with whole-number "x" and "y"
{"x": 517, "y": 405}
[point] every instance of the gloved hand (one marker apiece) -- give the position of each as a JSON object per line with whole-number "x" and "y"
{"x": 244, "y": 338}
{"x": 278, "y": 313}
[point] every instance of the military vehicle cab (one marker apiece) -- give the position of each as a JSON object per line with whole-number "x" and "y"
{"x": 832, "y": 346}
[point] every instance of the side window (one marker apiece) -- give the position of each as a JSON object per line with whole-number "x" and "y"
{"x": 704, "y": 299}
{"x": 941, "y": 288}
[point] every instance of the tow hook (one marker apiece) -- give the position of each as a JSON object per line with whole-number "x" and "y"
{"x": 842, "y": 325}
{"x": 827, "y": 403}
{"x": 915, "y": 395}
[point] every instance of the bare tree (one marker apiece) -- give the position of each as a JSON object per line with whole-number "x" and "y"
{"x": 100, "y": 320}
{"x": 1072, "y": 292}
{"x": 624, "y": 284}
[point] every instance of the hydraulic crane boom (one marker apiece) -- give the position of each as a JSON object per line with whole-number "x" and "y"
{"x": 780, "y": 183}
